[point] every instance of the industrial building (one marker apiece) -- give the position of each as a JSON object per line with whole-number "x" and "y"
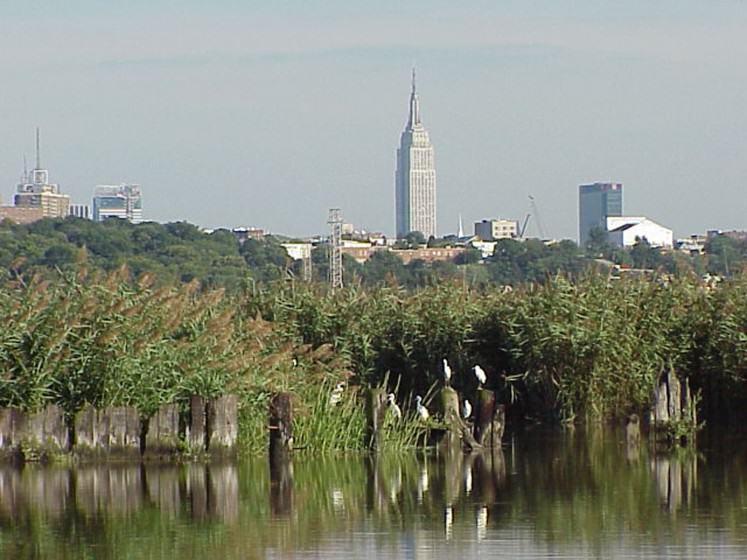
{"x": 625, "y": 231}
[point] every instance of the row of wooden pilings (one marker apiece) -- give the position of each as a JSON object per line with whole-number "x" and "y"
{"x": 120, "y": 433}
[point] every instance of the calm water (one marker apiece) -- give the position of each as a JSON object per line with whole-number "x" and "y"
{"x": 547, "y": 495}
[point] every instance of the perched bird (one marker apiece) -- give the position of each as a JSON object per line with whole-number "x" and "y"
{"x": 447, "y": 373}
{"x": 466, "y": 409}
{"x": 420, "y": 408}
{"x": 480, "y": 374}
{"x": 336, "y": 395}
{"x": 396, "y": 411}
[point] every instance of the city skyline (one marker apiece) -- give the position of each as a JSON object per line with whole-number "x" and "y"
{"x": 289, "y": 111}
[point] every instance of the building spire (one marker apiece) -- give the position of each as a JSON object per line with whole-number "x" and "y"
{"x": 460, "y": 231}
{"x": 38, "y": 155}
{"x": 414, "y": 104}
{"x": 25, "y": 170}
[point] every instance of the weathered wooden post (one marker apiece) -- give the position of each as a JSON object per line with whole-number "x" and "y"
{"x": 7, "y": 442}
{"x": 452, "y": 419}
{"x": 121, "y": 430}
{"x": 281, "y": 426}
{"x": 43, "y": 433}
{"x": 222, "y": 426}
{"x": 197, "y": 424}
{"x": 86, "y": 444}
{"x": 375, "y": 414}
{"x": 163, "y": 434}
{"x": 281, "y": 444}
{"x": 12, "y": 432}
{"x": 490, "y": 419}
{"x": 672, "y": 413}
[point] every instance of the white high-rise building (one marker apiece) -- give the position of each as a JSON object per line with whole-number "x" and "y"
{"x": 415, "y": 190}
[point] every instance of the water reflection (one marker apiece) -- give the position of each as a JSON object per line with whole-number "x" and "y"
{"x": 573, "y": 494}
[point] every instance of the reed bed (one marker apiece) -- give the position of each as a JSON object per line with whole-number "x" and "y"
{"x": 562, "y": 351}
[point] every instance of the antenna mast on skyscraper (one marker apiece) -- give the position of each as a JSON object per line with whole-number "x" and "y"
{"x": 38, "y": 155}
{"x": 335, "y": 248}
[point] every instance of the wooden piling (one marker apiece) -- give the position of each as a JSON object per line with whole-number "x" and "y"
{"x": 223, "y": 426}
{"x": 375, "y": 414}
{"x": 84, "y": 426}
{"x": 450, "y": 408}
{"x": 197, "y": 425}
{"x": 490, "y": 419}
{"x": 121, "y": 429}
{"x": 673, "y": 409}
{"x": 161, "y": 439}
{"x": 281, "y": 426}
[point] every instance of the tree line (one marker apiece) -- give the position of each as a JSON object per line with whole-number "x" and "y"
{"x": 181, "y": 252}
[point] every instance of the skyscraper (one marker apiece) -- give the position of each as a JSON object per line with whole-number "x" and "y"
{"x": 415, "y": 183}
{"x": 596, "y": 202}
{"x": 123, "y": 201}
{"x": 35, "y": 191}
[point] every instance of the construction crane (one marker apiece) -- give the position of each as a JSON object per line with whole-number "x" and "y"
{"x": 524, "y": 226}
{"x": 535, "y": 211}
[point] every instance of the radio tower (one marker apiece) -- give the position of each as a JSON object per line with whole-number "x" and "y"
{"x": 335, "y": 248}
{"x": 307, "y": 266}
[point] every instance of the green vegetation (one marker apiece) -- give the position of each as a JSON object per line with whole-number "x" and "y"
{"x": 180, "y": 252}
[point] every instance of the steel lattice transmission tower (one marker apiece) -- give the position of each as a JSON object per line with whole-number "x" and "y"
{"x": 307, "y": 267}
{"x": 335, "y": 248}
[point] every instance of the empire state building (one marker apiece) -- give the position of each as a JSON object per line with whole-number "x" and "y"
{"x": 415, "y": 190}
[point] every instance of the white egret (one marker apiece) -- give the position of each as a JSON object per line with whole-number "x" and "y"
{"x": 447, "y": 373}
{"x": 480, "y": 374}
{"x": 394, "y": 409}
{"x": 466, "y": 409}
{"x": 336, "y": 396}
{"x": 420, "y": 408}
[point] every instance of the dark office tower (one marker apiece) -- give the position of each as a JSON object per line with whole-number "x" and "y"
{"x": 595, "y": 203}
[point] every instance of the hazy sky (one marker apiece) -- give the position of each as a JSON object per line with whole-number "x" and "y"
{"x": 267, "y": 114}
